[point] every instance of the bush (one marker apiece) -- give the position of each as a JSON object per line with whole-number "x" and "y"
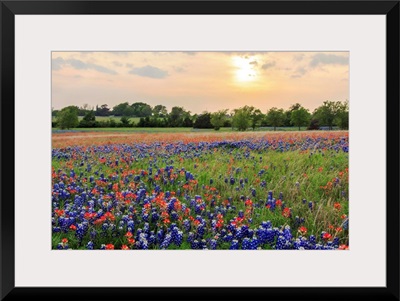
{"x": 203, "y": 121}
{"x": 314, "y": 124}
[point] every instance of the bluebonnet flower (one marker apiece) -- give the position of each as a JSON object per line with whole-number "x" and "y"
{"x": 246, "y": 244}
{"x": 213, "y": 244}
{"x": 234, "y": 245}
{"x": 195, "y": 244}
{"x": 166, "y": 242}
{"x": 90, "y": 245}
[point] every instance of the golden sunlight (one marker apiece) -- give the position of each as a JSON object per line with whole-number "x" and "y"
{"x": 245, "y": 68}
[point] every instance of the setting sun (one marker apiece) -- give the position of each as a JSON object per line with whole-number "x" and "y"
{"x": 199, "y": 81}
{"x": 245, "y": 70}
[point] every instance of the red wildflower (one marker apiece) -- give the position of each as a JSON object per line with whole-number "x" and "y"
{"x": 64, "y": 240}
{"x": 326, "y": 236}
{"x": 109, "y": 215}
{"x": 59, "y": 212}
{"x": 100, "y": 220}
{"x": 286, "y": 212}
{"x": 248, "y": 202}
{"x": 72, "y": 227}
{"x": 337, "y": 206}
{"x": 343, "y": 247}
{"x": 88, "y": 215}
{"x": 124, "y": 247}
{"x": 131, "y": 241}
{"x": 110, "y": 247}
{"x": 128, "y": 234}
{"x": 177, "y": 206}
{"x": 303, "y": 230}
{"x": 278, "y": 203}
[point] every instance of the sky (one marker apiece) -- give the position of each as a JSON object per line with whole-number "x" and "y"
{"x": 200, "y": 81}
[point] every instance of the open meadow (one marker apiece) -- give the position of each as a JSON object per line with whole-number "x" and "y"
{"x": 200, "y": 190}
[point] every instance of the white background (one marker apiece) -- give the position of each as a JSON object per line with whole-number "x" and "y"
{"x": 363, "y": 265}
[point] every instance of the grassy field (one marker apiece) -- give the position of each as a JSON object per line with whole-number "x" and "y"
{"x": 201, "y": 191}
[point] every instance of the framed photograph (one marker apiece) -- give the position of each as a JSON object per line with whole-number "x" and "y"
{"x": 180, "y": 149}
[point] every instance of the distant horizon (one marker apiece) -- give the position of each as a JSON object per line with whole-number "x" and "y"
{"x": 200, "y": 81}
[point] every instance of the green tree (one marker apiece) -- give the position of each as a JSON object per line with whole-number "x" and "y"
{"x": 241, "y": 118}
{"x": 327, "y": 113}
{"x": 254, "y": 114}
{"x": 178, "y": 117}
{"x": 218, "y": 119}
{"x": 275, "y": 117}
{"x": 256, "y": 117}
{"x": 288, "y": 114}
{"x": 160, "y": 111}
{"x": 122, "y": 109}
{"x": 300, "y": 117}
{"x": 187, "y": 122}
{"x": 68, "y": 117}
{"x": 203, "y": 121}
{"x": 141, "y": 109}
{"x": 342, "y": 116}
{"x": 103, "y": 110}
{"x": 54, "y": 112}
{"x": 88, "y": 121}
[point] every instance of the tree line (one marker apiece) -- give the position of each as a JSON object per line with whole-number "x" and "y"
{"x": 330, "y": 114}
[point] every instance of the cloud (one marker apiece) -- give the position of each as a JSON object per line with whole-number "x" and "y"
{"x": 118, "y": 64}
{"x": 190, "y": 52}
{"x": 253, "y": 63}
{"x": 59, "y": 62}
{"x": 268, "y": 65}
{"x": 299, "y": 72}
{"x": 101, "y": 69}
{"x": 129, "y": 65}
{"x": 149, "y": 71}
{"x": 298, "y": 57}
{"x": 77, "y": 64}
{"x": 328, "y": 59}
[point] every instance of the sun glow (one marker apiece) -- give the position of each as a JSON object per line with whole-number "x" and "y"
{"x": 245, "y": 68}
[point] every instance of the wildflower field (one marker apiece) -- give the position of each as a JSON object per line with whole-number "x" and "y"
{"x": 256, "y": 190}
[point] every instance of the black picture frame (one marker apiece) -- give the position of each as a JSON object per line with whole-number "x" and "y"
{"x": 11, "y": 8}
